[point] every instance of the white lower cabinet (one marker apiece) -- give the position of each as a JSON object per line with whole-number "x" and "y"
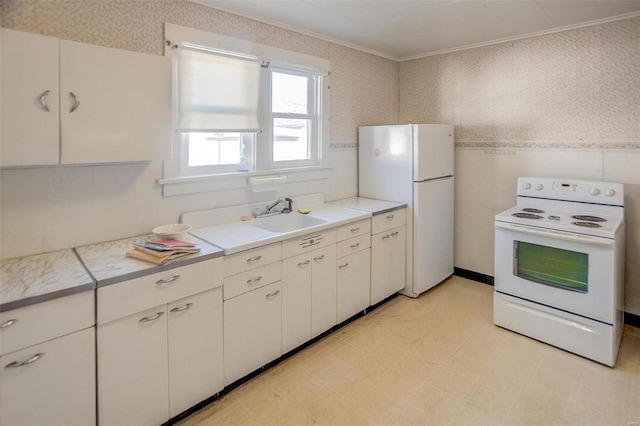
{"x": 296, "y": 301}
{"x": 195, "y": 350}
{"x": 353, "y": 284}
{"x": 387, "y": 263}
{"x": 252, "y": 330}
{"x": 133, "y": 384}
{"x": 52, "y": 383}
{"x": 323, "y": 290}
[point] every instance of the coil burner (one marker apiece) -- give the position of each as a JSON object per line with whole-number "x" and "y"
{"x": 532, "y": 210}
{"x": 527, "y": 215}
{"x": 587, "y": 224}
{"x": 589, "y": 218}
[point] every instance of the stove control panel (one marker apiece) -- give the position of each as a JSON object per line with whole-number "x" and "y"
{"x": 585, "y": 191}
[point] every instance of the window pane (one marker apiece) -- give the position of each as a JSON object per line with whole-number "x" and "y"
{"x": 552, "y": 266}
{"x": 214, "y": 149}
{"x": 289, "y": 93}
{"x": 291, "y": 139}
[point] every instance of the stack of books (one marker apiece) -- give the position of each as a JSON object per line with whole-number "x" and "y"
{"x": 163, "y": 252}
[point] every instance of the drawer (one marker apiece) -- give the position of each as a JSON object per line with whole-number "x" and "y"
{"x": 44, "y": 321}
{"x": 354, "y": 229}
{"x": 129, "y": 297}
{"x": 251, "y": 259}
{"x": 307, "y": 243}
{"x": 353, "y": 245}
{"x": 384, "y": 222}
{"x": 250, "y": 280}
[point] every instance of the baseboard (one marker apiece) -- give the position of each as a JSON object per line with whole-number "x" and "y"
{"x": 629, "y": 318}
{"x": 475, "y": 276}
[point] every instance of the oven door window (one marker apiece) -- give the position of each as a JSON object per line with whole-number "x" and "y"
{"x": 565, "y": 269}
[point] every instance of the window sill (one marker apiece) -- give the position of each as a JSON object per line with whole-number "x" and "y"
{"x": 208, "y": 183}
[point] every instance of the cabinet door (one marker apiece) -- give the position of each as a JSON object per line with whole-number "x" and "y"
{"x": 123, "y": 107}
{"x": 30, "y": 72}
{"x": 57, "y": 388}
{"x": 252, "y": 331}
{"x": 323, "y": 290}
{"x": 387, "y": 263}
{"x": 195, "y": 350}
{"x": 296, "y": 301}
{"x": 133, "y": 385}
{"x": 353, "y": 284}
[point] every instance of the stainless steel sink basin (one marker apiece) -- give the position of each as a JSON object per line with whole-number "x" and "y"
{"x": 287, "y": 222}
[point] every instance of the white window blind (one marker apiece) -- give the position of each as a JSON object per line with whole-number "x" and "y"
{"x": 216, "y": 91}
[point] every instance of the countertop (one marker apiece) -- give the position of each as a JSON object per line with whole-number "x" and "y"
{"x": 108, "y": 263}
{"x": 375, "y": 207}
{"x": 238, "y": 236}
{"x": 33, "y": 279}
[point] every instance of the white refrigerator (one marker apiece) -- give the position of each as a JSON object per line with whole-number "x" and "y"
{"x": 413, "y": 164}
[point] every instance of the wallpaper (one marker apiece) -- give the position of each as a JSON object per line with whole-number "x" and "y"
{"x": 572, "y": 89}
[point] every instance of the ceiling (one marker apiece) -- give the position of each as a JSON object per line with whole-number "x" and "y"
{"x": 401, "y": 30}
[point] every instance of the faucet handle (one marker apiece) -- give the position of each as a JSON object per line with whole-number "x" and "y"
{"x": 289, "y": 206}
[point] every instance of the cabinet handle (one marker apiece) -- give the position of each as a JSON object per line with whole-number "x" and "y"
{"x": 16, "y": 364}
{"x": 319, "y": 258}
{"x": 354, "y": 230}
{"x": 153, "y": 318}
{"x": 272, "y": 295}
{"x": 253, "y": 260}
{"x": 168, "y": 280}
{"x": 344, "y": 266}
{"x": 182, "y": 308}
{"x": 394, "y": 234}
{"x": 389, "y": 217}
{"x": 9, "y": 323}
{"x": 254, "y": 281}
{"x": 76, "y": 102}
{"x": 355, "y": 246}
{"x": 385, "y": 237}
{"x": 43, "y": 100}
{"x": 304, "y": 264}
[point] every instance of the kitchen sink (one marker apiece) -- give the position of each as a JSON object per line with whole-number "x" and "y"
{"x": 287, "y": 222}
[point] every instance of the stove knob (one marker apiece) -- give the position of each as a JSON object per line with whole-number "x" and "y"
{"x": 527, "y": 185}
{"x": 539, "y": 187}
{"x": 609, "y": 192}
{"x": 594, "y": 191}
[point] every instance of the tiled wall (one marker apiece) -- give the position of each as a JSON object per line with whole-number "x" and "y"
{"x": 563, "y": 105}
{"x": 51, "y": 208}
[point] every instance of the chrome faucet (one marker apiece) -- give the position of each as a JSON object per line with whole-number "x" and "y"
{"x": 268, "y": 210}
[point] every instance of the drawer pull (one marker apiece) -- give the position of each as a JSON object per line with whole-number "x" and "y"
{"x": 272, "y": 295}
{"x": 253, "y": 260}
{"x": 153, "y": 318}
{"x": 304, "y": 264}
{"x": 16, "y": 364}
{"x": 319, "y": 258}
{"x": 9, "y": 323}
{"x": 168, "y": 280}
{"x": 182, "y": 308}
{"x": 254, "y": 281}
{"x": 394, "y": 234}
{"x": 389, "y": 217}
{"x": 355, "y": 246}
{"x": 354, "y": 230}
{"x": 345, "y": 266}
{"x": 385, "y": 237}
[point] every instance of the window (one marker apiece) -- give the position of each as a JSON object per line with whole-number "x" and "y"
{"x": 241, "y": 107}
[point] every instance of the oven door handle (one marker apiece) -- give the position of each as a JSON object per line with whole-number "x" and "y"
{"x": 558, "y": 235}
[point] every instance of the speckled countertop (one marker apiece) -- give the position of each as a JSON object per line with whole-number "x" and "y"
{"x": 34, "y": 279}
{"x": 108, "y": 263}
{"x": 375, "y": 207}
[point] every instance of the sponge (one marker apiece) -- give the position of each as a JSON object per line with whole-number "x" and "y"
{"x": 303, "y": 210}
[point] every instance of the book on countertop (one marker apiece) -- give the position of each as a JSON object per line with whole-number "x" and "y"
{"x": 157, "y": 249}
{"x": 159, "y": 257}
{"x": 169, "y": 244}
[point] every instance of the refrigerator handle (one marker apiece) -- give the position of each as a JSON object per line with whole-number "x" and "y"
{"x": 435, "y": 179}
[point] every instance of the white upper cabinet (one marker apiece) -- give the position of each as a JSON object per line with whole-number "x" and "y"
{"x": 30, "y": 100}
{"x": 105, "y": 105}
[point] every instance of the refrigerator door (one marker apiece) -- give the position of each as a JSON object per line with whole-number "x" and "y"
{"x": 385, "y": 163}
{"x": 432, "y": 233}
{"x": 433, "y": 151}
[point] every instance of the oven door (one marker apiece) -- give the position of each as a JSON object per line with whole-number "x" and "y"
{"x": 562, "y": 270}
